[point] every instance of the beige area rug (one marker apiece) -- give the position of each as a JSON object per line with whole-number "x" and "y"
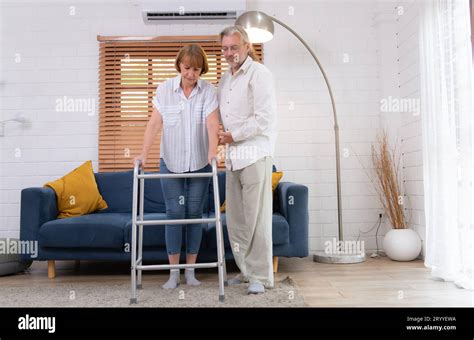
{"x": 87, "y": 294}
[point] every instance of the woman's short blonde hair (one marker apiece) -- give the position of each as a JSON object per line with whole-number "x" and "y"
{"x": 197, "y": 57}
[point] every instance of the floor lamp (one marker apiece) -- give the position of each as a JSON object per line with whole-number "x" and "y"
{"x": 259, "y": 27}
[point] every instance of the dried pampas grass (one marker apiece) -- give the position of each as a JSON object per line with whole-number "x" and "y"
{"x": 387, "y": 182}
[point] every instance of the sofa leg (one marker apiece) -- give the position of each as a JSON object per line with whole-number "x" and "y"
{"x": 275, "y": 264}
{"x": 51, "y": 269}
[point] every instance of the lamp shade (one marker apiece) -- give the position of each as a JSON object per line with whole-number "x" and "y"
{"x": 258, "y": 25}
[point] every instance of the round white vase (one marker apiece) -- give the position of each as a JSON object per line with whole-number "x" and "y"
{"x": 402, "y": 244}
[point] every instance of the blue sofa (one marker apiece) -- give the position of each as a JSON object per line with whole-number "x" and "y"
{"x": 106, "y": 235}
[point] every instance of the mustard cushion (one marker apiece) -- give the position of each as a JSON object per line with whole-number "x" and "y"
{"x": 77, "y": 193}
{"x": 276, "y": 177}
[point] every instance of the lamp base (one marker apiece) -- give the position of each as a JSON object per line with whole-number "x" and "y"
{"x": 322, "y": 257}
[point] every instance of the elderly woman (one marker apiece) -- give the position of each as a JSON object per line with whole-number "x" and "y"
{"x": 186, "y": 107}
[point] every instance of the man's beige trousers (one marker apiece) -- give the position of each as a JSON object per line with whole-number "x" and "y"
{"x": 249, "y": 220}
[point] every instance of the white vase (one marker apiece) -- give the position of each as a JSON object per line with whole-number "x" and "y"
{"x": 402, "y": 244}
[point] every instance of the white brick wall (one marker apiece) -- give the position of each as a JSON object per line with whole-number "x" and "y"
{"x": 305, "y": 150}
{"x": 400, "y": 78}
{"x": 59, "y": 58}
{"x": 411, "y": 124}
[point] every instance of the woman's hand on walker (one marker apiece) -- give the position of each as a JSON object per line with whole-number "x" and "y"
{"x": 210, "y": 156}
{"x": 140, "y": 158}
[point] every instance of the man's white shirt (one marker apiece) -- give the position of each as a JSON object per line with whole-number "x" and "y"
{"x": 247, "y": 105}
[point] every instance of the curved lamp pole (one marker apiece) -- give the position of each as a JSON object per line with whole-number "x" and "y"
{"x": 259, "y": 27}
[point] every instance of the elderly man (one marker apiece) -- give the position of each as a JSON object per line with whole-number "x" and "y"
{"x": 247, "y": 107}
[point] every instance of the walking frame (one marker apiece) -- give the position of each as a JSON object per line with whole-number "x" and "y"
{"x": 137, "y": 254}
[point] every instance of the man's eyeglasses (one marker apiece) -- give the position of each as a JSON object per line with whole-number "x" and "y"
{"x": 233, "y": 48}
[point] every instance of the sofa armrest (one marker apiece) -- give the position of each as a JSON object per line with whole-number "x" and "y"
{"x": 38, "y": 206}
{"x": 293, "y": 204}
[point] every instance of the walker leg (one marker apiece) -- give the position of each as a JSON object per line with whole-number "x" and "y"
{"x": 133, "y": 283}
{"x": 140, "y": 230}
{"x": 221, "y": 261}
{"x": 219, "y": 237}
{"x": 133, "y": 298}
{"x": 140, "y": 252}
{"x": 224, "y": 265}
{"x": 134, "y": 286}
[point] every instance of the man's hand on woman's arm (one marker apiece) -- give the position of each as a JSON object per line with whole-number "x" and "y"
{"x": 225, "y": 138}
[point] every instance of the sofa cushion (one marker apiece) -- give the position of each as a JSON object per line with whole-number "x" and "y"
{"x": 280, "y": 231}
{"x": 116, "y": 188}
{"x": 154, "y": 235}
{"x": 98, "y": 230}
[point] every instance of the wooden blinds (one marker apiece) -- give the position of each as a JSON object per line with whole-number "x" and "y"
{"x": 129, "y": 72}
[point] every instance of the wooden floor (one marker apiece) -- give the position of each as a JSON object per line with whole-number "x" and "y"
{"x": 375, "y": 283}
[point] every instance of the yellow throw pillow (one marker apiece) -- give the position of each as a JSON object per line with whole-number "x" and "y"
{"x": 276, "y": 177}
{"x": 222, "y": 209}
{"x": 77, "y": 193}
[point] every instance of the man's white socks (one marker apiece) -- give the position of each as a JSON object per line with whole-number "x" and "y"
{"x": 234, "y": 281}
{"x": 256, "y": 288}
{"x": 237, "y": 280}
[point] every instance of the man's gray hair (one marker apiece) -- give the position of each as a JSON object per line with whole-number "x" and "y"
{"x": 231, "y": 30}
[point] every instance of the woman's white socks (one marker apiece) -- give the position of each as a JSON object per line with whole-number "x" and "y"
{"x": 173, "y": 281}
{"x": 190, "y": 279}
